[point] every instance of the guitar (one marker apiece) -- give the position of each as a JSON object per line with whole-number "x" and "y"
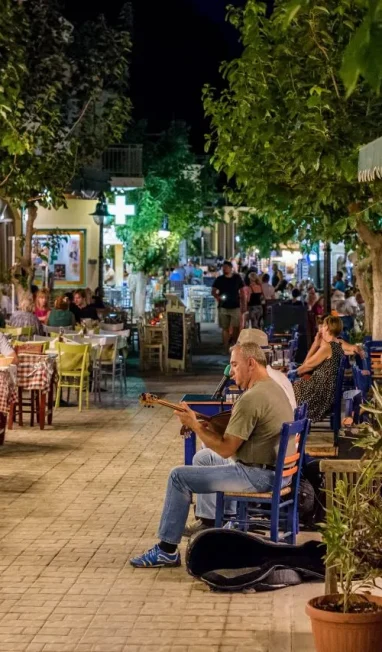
{"x": 218, "y": 422}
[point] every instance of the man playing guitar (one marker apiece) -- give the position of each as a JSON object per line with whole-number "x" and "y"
{"x": 242, "y": 460}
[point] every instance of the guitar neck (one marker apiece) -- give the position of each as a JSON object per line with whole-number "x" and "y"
{"x": 179, "y": 408}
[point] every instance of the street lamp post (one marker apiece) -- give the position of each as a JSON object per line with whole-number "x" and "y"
{"x": 101, "y": 217}
{"x": 164, "y": 232}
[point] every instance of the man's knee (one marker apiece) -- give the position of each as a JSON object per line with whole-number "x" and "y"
{"x": 204, "y": 457}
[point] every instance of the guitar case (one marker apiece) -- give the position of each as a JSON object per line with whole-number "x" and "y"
{"x": 231, "y": 560}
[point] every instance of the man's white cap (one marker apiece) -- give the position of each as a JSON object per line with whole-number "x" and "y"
{"x": 253, "y": 336}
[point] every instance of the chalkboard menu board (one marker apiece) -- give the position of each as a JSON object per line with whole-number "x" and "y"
{"x": 175, "y": 335}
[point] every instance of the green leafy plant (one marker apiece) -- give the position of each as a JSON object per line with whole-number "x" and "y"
{"x": 353, "y": 528}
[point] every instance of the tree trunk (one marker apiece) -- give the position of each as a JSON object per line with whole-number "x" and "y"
{"x": 26, "y": 259}
{"x": 376, "y": 256}
{"x": 364, "y": 283}
{"x": 140, "y": 295}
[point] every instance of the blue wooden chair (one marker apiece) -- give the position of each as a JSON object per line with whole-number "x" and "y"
{"x": 301, "y": 412}
{"x": 362, "y": 381}
{"x": 282, "y": 501}
{"x": 373, "y": 357}
{"x": 353, "y": 401}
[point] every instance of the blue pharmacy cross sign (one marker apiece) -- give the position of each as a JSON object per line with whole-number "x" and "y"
{"x": 121, "y": 210}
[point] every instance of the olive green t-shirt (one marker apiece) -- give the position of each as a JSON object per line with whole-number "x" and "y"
{"x": 257, "y": 418}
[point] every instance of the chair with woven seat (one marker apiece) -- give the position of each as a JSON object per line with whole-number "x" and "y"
{"x": 73, "y": 370}
{"x": 276, "y": 510}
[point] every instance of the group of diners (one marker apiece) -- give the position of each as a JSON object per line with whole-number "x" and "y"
{"x": 244, "y": 459}
{"x": 34, "y": 310}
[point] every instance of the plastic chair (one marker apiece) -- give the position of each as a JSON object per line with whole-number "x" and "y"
{"x": 283, "y": 501}
{"x": 21, "y": 332}
{"x": 73, "y": 363}
{"x": 110, "y": 364}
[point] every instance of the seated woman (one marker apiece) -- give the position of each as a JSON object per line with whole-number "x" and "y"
{"x": 42, "y": 306}
{"x": 24, "y": 317}
{"x": 322, "y": 362}
{"x": 61, "y": 315}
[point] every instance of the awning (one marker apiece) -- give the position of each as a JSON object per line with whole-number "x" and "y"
{"x": 370, "y": 161}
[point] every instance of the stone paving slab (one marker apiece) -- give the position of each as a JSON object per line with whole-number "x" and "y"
{"x": 77, "y": 501}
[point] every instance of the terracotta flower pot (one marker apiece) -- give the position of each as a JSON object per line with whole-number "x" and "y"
{"x": 338, "y": 632}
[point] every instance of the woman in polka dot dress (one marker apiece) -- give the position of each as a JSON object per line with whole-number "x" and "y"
{"x": 322, "y": 362}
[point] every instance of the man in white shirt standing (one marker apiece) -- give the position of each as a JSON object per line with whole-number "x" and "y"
{"x": 109, "y": 278}
{"x": 256, "y": 336}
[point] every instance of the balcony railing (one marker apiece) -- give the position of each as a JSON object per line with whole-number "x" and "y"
{"x": 122, "y": 160}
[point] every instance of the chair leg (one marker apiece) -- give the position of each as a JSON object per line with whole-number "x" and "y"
{"x": 58, "y": 394}
{"x": 42, "y": 410}
{"x": 20, "y": 406}
{"x": 275, "y": 518}
{"x": 50, "y": 405}
{"x": 87, "y": 392}
{"x": 33, "y": 404}
{"x": 3, "y": 425}
{"x": 11, "y": 416}
{"x": 219, "y": 514}
{"x": 242, "y": 508}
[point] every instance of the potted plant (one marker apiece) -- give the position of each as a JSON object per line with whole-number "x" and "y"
{"x": 351, "y": 621}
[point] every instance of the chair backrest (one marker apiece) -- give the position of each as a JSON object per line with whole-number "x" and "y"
{"x": 290, "y": 466}
{"x": 362, "y": 380}
{"x": 72, "y": 357}
{"x": 41, "y": 338}
{"x": 57, "y": 329}
{"x": 337, "y": 403}
{"x": 108, "y": 349}
{"x": 30, "y": 347}
{"x": 301, "y": 412}
{"x": 374, "y": 356}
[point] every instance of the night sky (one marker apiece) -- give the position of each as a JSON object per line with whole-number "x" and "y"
{"x": 177, "y": 47}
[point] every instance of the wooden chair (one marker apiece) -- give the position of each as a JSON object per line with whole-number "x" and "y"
{"x": 73, "y": 370}
{"x": 151, "y": 351}
{"x": 278, "y": 509}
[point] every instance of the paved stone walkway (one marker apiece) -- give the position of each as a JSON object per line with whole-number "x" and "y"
{"x": 77, "y": 501}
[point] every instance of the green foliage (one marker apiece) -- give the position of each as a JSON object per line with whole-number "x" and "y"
{"x": 353, "y": 528}
{"x": 62, "y": 98}
{"x": 176, "y": 185}
{"x": 256, "y": 231}
{"x": 282, "y": 127}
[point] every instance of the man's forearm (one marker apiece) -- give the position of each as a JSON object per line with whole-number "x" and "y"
{"x": 211, "y": 440}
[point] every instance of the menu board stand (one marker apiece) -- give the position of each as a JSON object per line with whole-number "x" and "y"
{"x": 176, "y": 338}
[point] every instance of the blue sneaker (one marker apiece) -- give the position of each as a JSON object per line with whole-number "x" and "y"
{"x": 156, "y": 558}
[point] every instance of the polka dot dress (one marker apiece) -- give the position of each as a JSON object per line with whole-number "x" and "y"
{"x": 318, "y": 391}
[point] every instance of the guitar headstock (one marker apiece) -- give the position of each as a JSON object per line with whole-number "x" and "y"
{"x": 148, "y": 400}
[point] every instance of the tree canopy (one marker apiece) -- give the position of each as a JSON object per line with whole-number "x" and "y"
{"x": 284, "y": 129}
{"x": 177, "y": 186}
{"x": 63, "y": 100}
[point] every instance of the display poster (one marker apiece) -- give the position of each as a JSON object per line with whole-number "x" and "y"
{"x": 64, "y": 255}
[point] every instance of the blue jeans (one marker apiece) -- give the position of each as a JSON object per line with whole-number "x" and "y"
{"x": 210, "y": 473}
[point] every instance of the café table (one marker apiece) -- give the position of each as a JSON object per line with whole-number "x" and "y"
{"x": 8, "y": 396}
{"x": 36, "y": 374}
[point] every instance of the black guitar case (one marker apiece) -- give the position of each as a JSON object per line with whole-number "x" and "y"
{"x": 230, "y": 560}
